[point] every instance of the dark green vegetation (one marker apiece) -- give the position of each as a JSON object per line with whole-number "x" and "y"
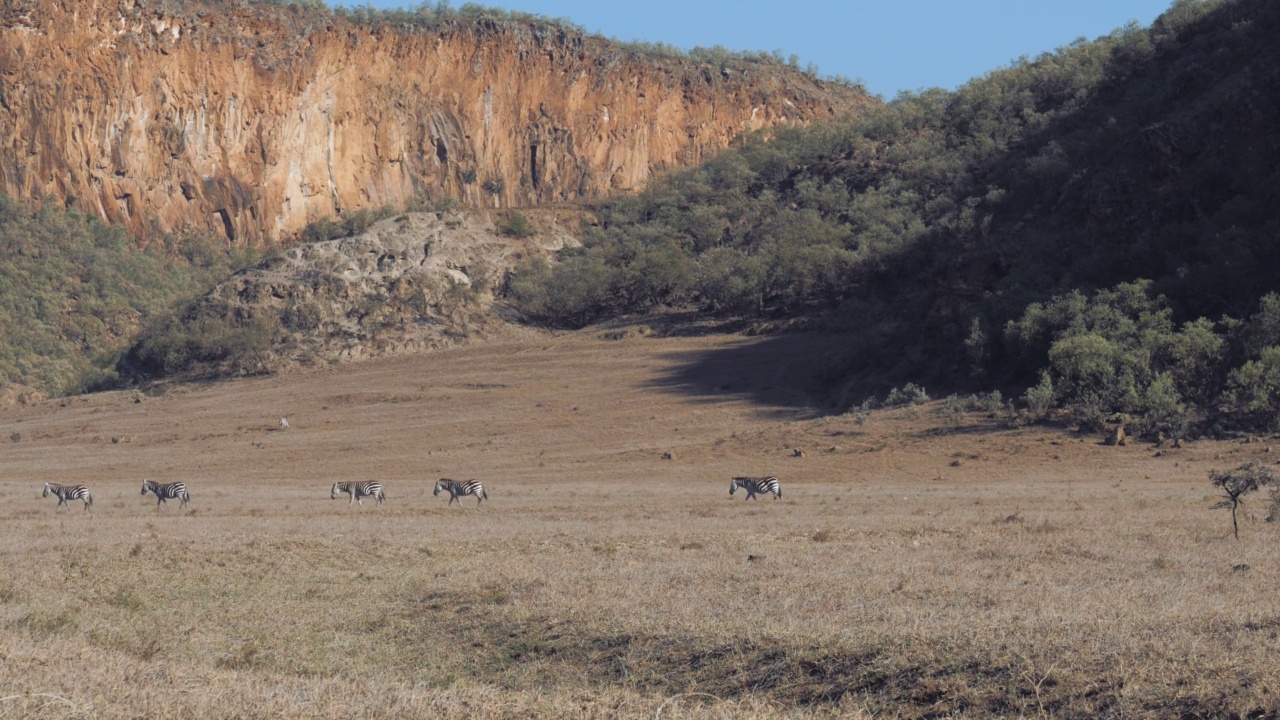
{"x": 74, "y": 291}
{"x": 1097, "y": 224}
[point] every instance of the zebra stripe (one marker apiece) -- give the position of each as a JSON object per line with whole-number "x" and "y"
{"x": 359, "y": 490}
{"x": 757, "y": 485}
{"x": 464, "y": 487}
{"x": 166, "y": 491}
{"x": 68, "y": 492}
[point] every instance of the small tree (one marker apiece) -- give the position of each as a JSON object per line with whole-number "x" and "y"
{"x": 1240, "y": 482}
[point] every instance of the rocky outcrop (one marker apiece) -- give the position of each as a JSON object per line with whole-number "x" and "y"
{"x": 420, "y": 281}
{"x": 252, "y": 120}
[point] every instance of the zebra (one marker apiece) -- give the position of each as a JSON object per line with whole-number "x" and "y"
{"x": 464, "y": 487}
{"x": 166, "y": 492}
{"x": 359, "y": 490}
{"x": 68, "y": 492}
{"x": 754, "y": 485}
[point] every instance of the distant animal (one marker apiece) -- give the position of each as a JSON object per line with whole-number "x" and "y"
{"x": 358, "y": 490}
{"x": 757, "y": 485}
{"x": 284, "y": 424}
{"x": 456, "y": 488}
{"x": 68, "y": 492}
{"x": 166, "y": 492}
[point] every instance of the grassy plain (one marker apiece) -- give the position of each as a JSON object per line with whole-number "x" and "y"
{"x": 921, "y": 563}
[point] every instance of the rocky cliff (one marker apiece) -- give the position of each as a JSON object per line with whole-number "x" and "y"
{"x": 253, "y": 120}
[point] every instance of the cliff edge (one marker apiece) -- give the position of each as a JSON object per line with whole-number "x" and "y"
{"x": 253, "y": 120}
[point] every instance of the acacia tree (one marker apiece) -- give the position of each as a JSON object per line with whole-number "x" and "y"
{"x": 1240, "y": 482}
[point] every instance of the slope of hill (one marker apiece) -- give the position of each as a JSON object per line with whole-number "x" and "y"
{"x": 252, "y": 120}
{"x": 932, "y": 224}
{"x": 415, "y": 282}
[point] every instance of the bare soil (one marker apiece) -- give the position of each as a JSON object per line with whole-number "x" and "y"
{"x": 922, "y": 562}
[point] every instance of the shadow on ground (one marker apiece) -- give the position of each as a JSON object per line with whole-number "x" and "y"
{"x": 779, "y": 372}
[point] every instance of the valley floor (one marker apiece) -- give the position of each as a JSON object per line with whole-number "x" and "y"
{"x": 921, "y": 563}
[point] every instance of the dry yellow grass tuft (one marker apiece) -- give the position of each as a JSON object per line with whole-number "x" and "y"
{"x": 1044, "y": 575}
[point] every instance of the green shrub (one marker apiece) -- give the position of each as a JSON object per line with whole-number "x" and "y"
{"x": 1254, "y": 387}
{"x": 909, "y": 394}
{"x": 202, "y": 345}
{"x": 1162, "y": 407}
{"x": 1041, "y": 396}
{"x": 574, "y": 292}
{"x": 516, "y": 225}
{"x": 1115, "y": 351}
{"x": 348, "y": 224}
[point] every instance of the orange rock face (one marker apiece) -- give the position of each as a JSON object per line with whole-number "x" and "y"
{"x": 253, "y": 121}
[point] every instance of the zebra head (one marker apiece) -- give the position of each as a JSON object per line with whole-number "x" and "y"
{"x": 333, "y": 494}
{"x": 733, "y": 485}
{"x": 147, "y": 485}
{"x": 47, "y": 490}
{"x": 440, "y": 485}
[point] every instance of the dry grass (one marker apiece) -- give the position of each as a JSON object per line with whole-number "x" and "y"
{"x": 1042, "y": 576}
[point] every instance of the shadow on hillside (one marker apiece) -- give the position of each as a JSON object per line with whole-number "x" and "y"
{"x": 779, "y": 372}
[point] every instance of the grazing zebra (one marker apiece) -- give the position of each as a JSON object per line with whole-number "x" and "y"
{"x": 166, "y": 491}
{"x": 68, "y": 492}
{"x": 358, "y": 490}
{"x": 456, "y": 488}
{"x": 754, "y": 485}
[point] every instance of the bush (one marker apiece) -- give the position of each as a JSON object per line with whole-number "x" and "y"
{"x": 910, "y": 394}
{"x": 1116, "y": 351}
{"x": 1254, "y": 388}
{"x": 516, "y": 225}
{"x": 573, "y": 293}
{"x": 1042, "y": 396}
{"x": 347, "y": 225}
{"x": 204, "y": 345}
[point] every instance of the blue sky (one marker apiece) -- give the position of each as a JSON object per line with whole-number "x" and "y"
{"x": 891, "y": 45}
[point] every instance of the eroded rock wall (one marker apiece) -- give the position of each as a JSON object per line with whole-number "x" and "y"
{"x": 253, "y": 120}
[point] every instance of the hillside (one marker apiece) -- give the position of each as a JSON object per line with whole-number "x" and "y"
{"x": 252, "y": 120}
{"x": 1104, "y": 213}
{"x": 410, "y": 283}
